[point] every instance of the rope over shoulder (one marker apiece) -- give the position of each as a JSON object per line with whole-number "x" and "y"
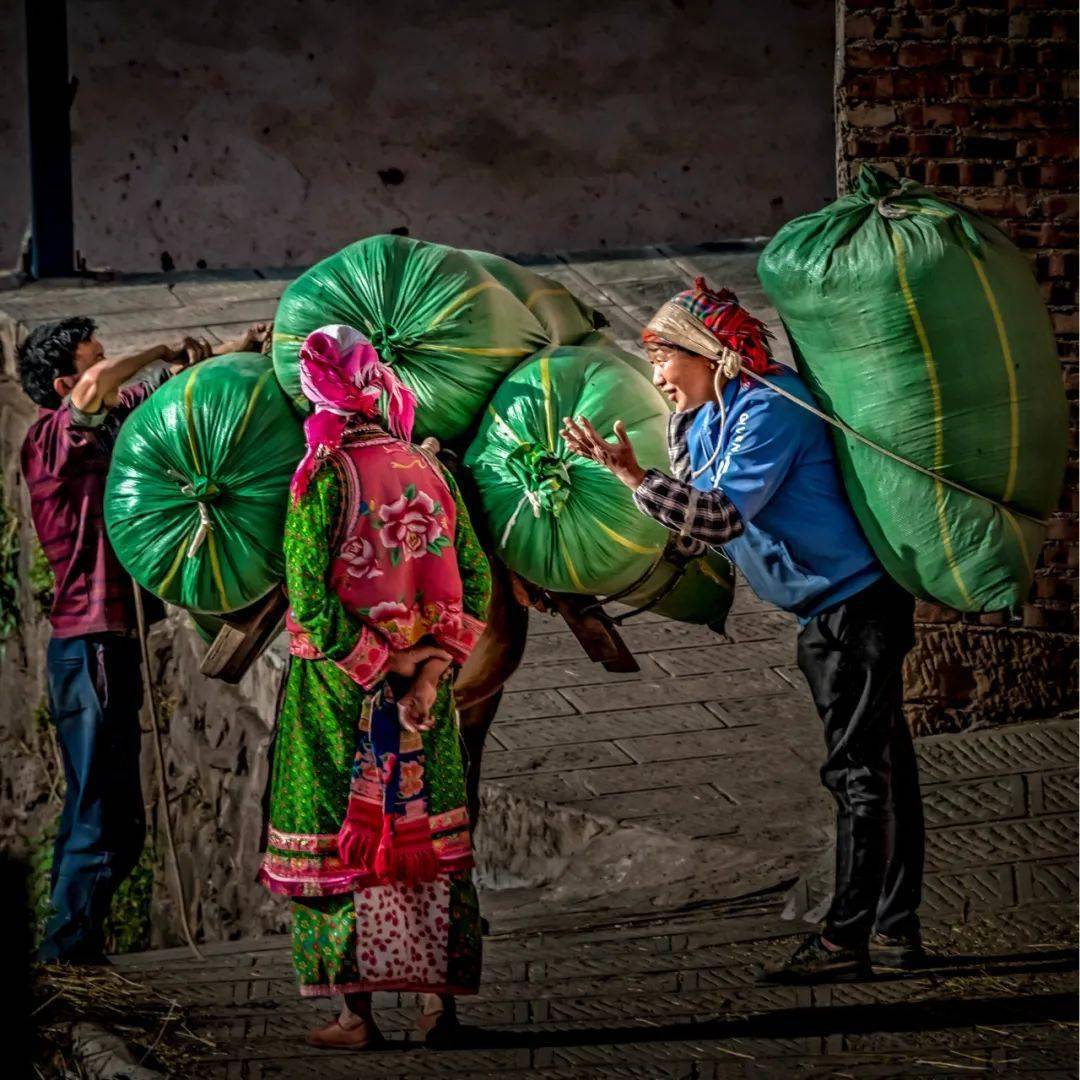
{"x": 858, "y": 437}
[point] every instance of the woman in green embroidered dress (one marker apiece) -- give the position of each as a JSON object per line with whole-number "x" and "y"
{"x": 388, "y": 589}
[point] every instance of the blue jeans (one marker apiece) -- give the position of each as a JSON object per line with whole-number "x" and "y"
{"x": 95, "y": 691}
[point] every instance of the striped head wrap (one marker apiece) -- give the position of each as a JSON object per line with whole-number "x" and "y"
{"x": 713, "y": 324}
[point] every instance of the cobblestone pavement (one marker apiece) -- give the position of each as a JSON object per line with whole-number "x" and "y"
{"x": 654, "y": 839}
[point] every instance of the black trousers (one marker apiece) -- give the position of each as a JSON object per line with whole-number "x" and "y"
{"x": 852, "y": 656}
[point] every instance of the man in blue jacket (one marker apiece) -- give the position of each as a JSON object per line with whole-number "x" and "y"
{"x": 755, "y": 473}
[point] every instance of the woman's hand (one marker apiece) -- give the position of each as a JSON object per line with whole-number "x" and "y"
{"x": 414, "y": 709}
{"x": 408, "y": 661}
{"x": 618, "y": 457}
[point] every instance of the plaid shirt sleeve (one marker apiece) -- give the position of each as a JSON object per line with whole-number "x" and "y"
{"x": 678, "y": 451}
{"x": 708, "y": 517}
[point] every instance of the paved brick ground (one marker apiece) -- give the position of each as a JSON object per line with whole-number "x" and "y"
{"x": 669, "y": 992}
{"x": 664, "y": 819}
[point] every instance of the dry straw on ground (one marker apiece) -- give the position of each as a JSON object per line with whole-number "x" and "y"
{"x": 151, "y": 1025}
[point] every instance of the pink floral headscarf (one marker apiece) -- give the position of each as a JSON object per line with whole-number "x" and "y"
{"x": 342, "y": 376}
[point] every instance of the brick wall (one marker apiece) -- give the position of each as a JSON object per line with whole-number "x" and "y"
{"x": 978, "y": 101}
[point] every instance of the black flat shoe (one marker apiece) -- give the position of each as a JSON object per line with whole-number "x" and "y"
{"x": 815, "y": 962}
{"x": 903, "y": 952}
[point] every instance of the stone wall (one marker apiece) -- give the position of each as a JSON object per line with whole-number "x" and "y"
{"x": 979, "y": 102}
{"x": 228, "y": 134}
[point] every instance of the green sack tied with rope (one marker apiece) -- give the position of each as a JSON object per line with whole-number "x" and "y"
{"x": 919, "y": 325}
{"x": 447, "y": 326}
{"x": 198, "y": 485}
{"x": 559, "y": 520}
{"x": 565, "y": 319}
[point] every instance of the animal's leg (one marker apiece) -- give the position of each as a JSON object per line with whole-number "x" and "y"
{"x": 475, "y": 722}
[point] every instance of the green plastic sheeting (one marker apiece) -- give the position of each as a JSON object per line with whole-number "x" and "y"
{"x": 222, "y": 437}
{"x": 448, "y": 326}
{"x": 702, "y": 594}
{"x": 920, "y": 325}
{"x": 604, "y": 341}
{"x": 565, "y": 319}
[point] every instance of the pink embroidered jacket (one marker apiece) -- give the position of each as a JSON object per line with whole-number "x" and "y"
{"x": 394, "y": 566}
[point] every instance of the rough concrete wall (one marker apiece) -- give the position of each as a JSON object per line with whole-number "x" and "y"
{"x": 216, "y": 743}
{"x": 979, "y": 102}
{"x": 15, "y": 189}
{"x": 231, "y": 134}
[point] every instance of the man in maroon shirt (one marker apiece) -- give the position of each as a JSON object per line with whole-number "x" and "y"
{"x": 94, "y": 678}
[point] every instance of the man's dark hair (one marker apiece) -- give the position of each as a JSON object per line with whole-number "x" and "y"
{"x": 48, "y": 353}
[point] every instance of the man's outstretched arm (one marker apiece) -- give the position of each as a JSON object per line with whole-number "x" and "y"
{"x": 99, "y": 385}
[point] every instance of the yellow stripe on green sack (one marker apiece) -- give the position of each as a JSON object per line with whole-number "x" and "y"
{"x": 1010, "y": 371}
{"x": 570, "y": 566}
{"x": 545, "y": 385}
{"x": 533, "y": 297}
{"x": 1019, "y": 534}
{"x": 292, "y": 339}
{"x": 503, "y": 424}
{"x": 638, "y": 549}
{"x": 166, "y": 581}
{"x": 457, "y": 302}
{"x": 712, "y": 575}
{"x": 252, "y": 399}
{"x": 215, "y": 570}
{"x": 189, "y": 416}
{"x": 935, "y": 391}
{"x": 433, "y": 347}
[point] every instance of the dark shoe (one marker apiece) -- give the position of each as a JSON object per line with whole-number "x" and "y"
{"x": 437, "y": 1025}
{"x": 815, "y": 962}
{"x": 903, "y": 952}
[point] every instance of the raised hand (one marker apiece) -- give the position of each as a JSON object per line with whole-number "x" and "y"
{"x": 254, "y": 337}
{"x": 618, "y": 457}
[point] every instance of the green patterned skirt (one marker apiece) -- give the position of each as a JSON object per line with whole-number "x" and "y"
{"x": 352, "y": 933}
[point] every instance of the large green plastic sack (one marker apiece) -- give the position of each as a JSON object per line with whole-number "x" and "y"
{"x": 222, "y": 436}
{"x": 448, "y": 326}
{"x": 565, "y": 319}
{"x": 920, "y": 325}
{"x": 559, "y": 520}
{"x": 564, "y": 522}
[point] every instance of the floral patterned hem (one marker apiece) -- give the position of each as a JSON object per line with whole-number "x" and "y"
{"x": 311, "y": 884}
{"x": 365, "y": 664}
{"x": 308, "y": 864}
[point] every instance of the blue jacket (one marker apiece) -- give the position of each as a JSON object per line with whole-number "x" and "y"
{"x": 801, "y": 547}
